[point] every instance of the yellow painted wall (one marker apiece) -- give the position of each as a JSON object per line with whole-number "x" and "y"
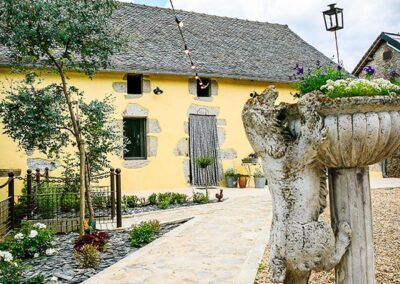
{"x": 165, "y": 171}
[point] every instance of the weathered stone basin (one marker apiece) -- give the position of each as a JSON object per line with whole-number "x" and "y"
{"x": 360, "y": 131}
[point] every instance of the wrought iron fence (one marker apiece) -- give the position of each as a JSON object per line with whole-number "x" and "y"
{"x": 55, "y": 201}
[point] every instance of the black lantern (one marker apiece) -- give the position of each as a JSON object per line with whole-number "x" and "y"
{"x": 333, "y": 22}
{"x": 333, "y": 18}
{"x": 158, "y": 91}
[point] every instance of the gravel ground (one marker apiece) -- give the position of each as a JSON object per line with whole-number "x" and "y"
{"x": 64, "y": 266}
{"x": 386, "y": 221}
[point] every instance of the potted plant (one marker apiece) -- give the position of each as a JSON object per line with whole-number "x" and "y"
{"x": 243, "y": 179}
{"x": 259, "y": 178}
{"x": 203, "y": 162}
{"x": 231, "y": 178}
{"x": 250, "y": 159}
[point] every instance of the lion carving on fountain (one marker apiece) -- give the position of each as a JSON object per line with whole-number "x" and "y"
{"x": 287, "y": 138}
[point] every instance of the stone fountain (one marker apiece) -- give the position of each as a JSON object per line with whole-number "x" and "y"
{"x": 297, "y": 143}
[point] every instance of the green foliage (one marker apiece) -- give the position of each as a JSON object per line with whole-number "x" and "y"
{"x": 164, "y": 203}
{"x": 204, "y": 161}
{"x": 76, "y": 34}
{"x": 10, "y": 269}
{"x": 130, "y": 201}
{"x": 200, "y": 198}
{"x": 164, "y": 200}
{"x": 28, "y": 240}
{"x": 144, "y": 233}
{"x": 359, "y": 87}
{"x": 313, "y": 80}
{"x": 231, "y": 172}
{"x": 88, "y": 257}
{"x": 152, "y": 199}
{"x": 179, "y": 198}
{"x": 259, "y": 173}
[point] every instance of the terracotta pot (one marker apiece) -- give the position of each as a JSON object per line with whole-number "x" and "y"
{"x": 242, "y": 181}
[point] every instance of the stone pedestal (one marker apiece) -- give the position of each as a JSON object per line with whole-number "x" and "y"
{"x": 350, "y": 201}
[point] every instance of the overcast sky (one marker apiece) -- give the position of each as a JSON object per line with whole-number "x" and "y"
{"x": 364, "y": 20}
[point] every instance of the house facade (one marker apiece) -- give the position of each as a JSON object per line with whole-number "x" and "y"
{"x": 384, "y": 57}
{"x": 163, "y": 111}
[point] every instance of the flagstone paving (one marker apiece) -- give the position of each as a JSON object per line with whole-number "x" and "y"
{"x": 222, "y": 243}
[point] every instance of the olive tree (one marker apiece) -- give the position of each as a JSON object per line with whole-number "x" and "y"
{"x": 61, "y": 36}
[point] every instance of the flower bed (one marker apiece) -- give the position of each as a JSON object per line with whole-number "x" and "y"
{"x": 63, "y": 266}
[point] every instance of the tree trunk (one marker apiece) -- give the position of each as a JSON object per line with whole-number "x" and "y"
{"x": 82, "y": 186}
{"x": 88, "y": 192}
{"x": 350, "y": 200}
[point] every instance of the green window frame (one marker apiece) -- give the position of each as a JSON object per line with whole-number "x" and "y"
{"x": 136, "y": 132}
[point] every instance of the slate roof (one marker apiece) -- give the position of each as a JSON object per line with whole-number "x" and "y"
{"x": 221, "y": 46}
{"x": 391, "y": 38}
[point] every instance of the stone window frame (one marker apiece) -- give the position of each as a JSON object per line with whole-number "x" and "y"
{"x": 193, "y": 85}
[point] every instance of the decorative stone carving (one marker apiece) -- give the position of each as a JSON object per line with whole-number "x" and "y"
{"x": 296, "y": 142}
{"x": 41, "y": 164}
{"x": 153, "y": 126}
{"x": 228, "y": 154}
{"x": 287, "y": 138}
{"x": 135, "y": 110}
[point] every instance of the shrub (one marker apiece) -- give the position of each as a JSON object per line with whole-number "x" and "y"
{"x": 179, "y": 198}
{"x": 88, "y": 257}
{"x": 200, "y": 198}
{"x": 313, "y": 80}
{"x": 152, "y": 199}
{"x": 144, "y": 233}
{"x": 231, "y": 172}
{"x": 164, "y": 200}
{"x": 10, "y": 269}
{"x": 130, "y": 201}
{"x": 98, "y": 240}
{"x": 29, "y": 240}
{"x": 204, "y": 161}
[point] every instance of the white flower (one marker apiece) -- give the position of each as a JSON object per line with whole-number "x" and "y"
{"x": 36, "y": 255}
{"x": 330, "y": 88}
{"x": 40, "y": 226}
{"x": 33, "y": 234}
{"x": 19, "y": 236}
{"x": 6, "y": 256}
{"x": 50, "y": 251}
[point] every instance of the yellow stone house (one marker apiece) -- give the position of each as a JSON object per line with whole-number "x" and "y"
{"x": 166, "y": 115}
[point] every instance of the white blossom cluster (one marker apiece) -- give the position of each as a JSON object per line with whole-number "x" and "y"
{"x": 6, "y": 256}
{"x": 361, "y": 87}
{"x": 40, "y": 226}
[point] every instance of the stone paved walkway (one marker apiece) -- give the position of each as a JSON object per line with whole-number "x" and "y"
{"x": 222, "y": 243}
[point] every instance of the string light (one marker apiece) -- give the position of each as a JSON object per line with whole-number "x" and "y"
{"x": 186, "y": 49}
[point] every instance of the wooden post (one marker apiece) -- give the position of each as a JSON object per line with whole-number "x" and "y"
{"x": 112, "y": 188}
{"x": 29, "y": 192}
{"x": 46, "y": 174}
{"x": 119, "y": 207}
{"x": 37, "y": 177}
{"x": 350, "y": 201}
{"x": 11, "y": 200}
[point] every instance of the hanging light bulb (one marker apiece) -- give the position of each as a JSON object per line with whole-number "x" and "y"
{"x": 197, "y": 77}
{"x": 180, "y": 23}
{"x": 193, "y": 66}
{"x": 186, "y": 50}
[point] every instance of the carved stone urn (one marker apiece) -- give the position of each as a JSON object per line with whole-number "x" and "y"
{"x": 297, "y": 143}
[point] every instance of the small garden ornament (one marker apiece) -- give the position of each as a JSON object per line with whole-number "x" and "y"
{"x": 338, "y": 127}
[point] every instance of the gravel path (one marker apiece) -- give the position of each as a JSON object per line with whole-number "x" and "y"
{"x": 386, "y": 221}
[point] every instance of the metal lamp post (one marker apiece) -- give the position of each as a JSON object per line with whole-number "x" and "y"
{"x": 333, "y": 19}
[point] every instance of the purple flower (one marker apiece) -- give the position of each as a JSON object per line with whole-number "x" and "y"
{"x": 369, "y": 70}
{"x": 299, "y": 70}
{"x": 253, "y": 155}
